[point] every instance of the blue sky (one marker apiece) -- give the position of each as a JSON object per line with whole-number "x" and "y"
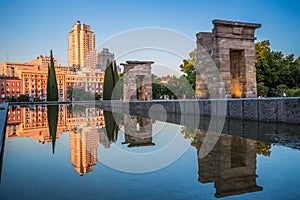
{"x": 30, "y": 28}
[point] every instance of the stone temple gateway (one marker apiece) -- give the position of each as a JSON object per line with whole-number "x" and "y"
{"x": 231, "y": 47}
{"x": 137, "y": 81}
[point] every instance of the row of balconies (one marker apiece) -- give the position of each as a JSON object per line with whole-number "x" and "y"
{"x": 7, "y": 91}
{"x": 12, "y": 84}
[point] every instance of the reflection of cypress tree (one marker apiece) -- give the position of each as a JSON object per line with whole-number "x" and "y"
{"x": 52, "y": 112}
{"x": 111, "y": 126}
{"x": 52, "y": 90}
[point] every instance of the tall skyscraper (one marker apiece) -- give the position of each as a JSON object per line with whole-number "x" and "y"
{"x": 81, "y": 49}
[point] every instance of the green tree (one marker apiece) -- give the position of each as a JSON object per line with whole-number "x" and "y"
{"x": 275, "y": 71}
{"x": 52, "y": 89}
{"x": 295, "y": 72}
{"x": 70, "y": 93}
{"x": 262, "y": 90}
{"x": 159, "y": 89}
{"x": 189, "y": 68}
{"x": 111, "y": 79}
{"x": 23, "y": 98}
{"x": 80, "y": 94}
{"x": 117, "y": 85}
{"x": 108, "y": 82}
{"x": 180, "y": 87}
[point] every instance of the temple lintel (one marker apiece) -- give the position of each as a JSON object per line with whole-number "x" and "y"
{"x": 235, "y": 23}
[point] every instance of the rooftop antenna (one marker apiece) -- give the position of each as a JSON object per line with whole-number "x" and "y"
{"x": 78, "y": 20}
{"x": 7, "y": 58}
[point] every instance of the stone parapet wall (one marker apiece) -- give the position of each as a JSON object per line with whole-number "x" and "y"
{"x": 286, "y": 110}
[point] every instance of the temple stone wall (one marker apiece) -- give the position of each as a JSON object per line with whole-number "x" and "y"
{"x": 230, "y": 47}
{"x": 137, "y": 80}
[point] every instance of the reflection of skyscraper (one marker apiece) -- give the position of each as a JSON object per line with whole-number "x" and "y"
{"x": 83, "y": 148}
{"x": 85, "y": 124}
{"x": 231, "y": 165}
{"x": 138, "y": 131}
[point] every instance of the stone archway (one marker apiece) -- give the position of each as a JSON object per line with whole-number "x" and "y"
{"x": 137, "y": 82}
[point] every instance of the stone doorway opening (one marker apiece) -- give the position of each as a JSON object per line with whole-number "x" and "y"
{"x": 141, "y": 93}
{"x": 237, "y": 73}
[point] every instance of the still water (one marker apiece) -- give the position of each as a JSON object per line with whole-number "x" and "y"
{"x": 89, "y": 153}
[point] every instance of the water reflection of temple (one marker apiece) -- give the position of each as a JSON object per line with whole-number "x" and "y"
{"x": 138, "y": 131}
{"x": 231, "y": 165}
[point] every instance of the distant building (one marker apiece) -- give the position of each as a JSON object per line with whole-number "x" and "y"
{"x": 165, "y": 79}
{"x": 81, "y": 47}
{"x": 10, "y": 88}
{"x": 91, "y": 80}
{"x": 43, "y": 60}
{"x": 103, "y": 58}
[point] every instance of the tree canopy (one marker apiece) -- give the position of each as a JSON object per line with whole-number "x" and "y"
{"x": 188, "y": 67}
{"x": 275, "y": 72}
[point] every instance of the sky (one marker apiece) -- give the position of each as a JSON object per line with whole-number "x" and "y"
{"x": 31, "y": 28}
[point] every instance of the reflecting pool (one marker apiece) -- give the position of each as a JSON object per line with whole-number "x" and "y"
{"x": 89, "y": 153}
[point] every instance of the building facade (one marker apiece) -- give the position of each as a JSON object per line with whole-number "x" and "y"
{"x": 89, "y": 80}
{"x": 31, "y": 79}
{"x": 81, "y": 46}
{"x": 10, "y": 88}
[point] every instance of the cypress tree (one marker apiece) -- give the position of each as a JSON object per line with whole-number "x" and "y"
{"x": 111, "y": 89}
{"x": 117, "y": 90}
{"x": 52, "y": 89}
{"x": 108, "y": 82}
{"x": 116, "y": 76}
